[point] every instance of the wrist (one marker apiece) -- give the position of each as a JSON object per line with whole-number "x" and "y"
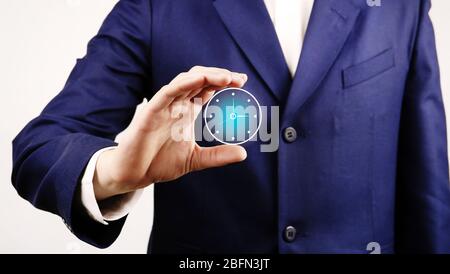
{"x": 104, "y": 184}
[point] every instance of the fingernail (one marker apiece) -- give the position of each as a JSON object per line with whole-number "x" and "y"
{"x": 242, "y": 152}
{"x": 237, "y": 77}
{"x": 243, "y": 76}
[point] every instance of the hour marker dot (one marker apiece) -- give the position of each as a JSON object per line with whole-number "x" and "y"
{"x": 248, "y": 132}
{"x": 211, "y": 116}
{"x": 255, "y": 116}
{"x": 232, "y": 138}
{"x": 248, "y": 100}
{"x": 233, "y": 94}
{"x": 217, "y": 100}
{"x": 217, "y": 132}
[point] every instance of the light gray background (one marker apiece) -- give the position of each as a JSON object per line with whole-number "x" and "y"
{"x": 39, "y": 42}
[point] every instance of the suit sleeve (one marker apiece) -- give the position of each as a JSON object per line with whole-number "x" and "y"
{"x": 97, "y": 102}
{"x": 423, "y": 194}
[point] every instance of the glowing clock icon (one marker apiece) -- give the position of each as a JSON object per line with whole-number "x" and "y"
{"x": 233, "y": 116}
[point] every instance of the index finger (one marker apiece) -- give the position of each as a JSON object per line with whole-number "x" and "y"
{"x": 186, "y": 82}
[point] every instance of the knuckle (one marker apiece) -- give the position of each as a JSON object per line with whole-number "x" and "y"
{"x": 179, "y": 76}
{"x": 222, "y": 70}
{"x": 227, "y": 78}
{"x": 197, "y": 68}
{"x": 195, "y": 74}
{"x": 164, "y": 89}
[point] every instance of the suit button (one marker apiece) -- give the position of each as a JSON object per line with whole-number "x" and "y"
{"x": 290, "y": 135}
{"x": 289, "y": 234}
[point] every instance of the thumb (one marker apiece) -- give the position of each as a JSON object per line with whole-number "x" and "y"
{"x": 208, "y": 157}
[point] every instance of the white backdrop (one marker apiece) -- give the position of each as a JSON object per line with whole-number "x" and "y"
{"x": 39, "y": 43}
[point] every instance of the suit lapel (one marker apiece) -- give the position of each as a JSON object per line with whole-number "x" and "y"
{"x": 330, "y": 24}
{"x": 250, "y": 25}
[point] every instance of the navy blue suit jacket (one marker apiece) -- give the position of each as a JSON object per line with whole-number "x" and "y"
{"x": 370, "y": 163}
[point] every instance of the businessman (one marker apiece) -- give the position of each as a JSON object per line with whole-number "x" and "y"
{"x": 361, "y": 165}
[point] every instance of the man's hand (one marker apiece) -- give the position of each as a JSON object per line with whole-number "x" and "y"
{"x": 147, "y": 152}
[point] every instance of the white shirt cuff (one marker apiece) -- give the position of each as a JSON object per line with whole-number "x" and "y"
{"x": 111, "y": 209}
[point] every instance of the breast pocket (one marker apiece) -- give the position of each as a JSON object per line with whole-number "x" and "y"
{"x": 366, "y": 70}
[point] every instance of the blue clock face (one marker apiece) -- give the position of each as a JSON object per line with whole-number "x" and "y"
{"x": 233, "y": 116}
